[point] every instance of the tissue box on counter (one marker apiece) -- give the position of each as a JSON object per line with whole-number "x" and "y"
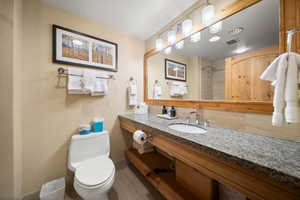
{"x": 141, "y": 109}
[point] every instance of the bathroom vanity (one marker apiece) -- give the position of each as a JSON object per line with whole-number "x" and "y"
{"x": 259, "y": 167}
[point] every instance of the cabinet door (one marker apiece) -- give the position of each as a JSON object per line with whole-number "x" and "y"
{"x": 243, "y": 75}
{"x": 261, "y": 90}
{"x": 240, "y": 85}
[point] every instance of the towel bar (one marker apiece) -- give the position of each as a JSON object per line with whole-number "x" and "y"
{"x": 62, "y": 71}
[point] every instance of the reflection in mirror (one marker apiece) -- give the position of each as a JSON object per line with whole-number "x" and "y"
{"x": 225, "y": 64}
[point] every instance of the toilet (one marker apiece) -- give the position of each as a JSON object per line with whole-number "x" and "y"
{"x": 94, "y": 171}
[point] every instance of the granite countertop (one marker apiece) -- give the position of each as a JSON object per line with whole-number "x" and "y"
{"x": 276, "y": 158}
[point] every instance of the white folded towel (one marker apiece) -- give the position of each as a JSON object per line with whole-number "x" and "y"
{"x": 89, "y": 79}
{"x": 178, "y": 89}
{"x": 100, "y": 85}
{"x": 284, "y": 76}
{"x": 75, "y": 84}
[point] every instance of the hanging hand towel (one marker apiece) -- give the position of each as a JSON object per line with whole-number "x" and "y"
{"x": 101, "y": 84}
{"x": 89, "y": 79}
{"x": 157, "y": 92}
{"x": 132, "y": 94}
{"x": 292, "y": 110}
{"x": 75, "y": 84}
{"x": 283, "y": 74}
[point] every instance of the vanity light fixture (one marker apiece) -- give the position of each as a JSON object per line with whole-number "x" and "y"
{"x": 171, "y": 37}
{"x": 215, "y": 38}
{"x": 208, "y": 14}
{"x": 196, "y": 37}
{"x": 77, "y": 42}
{"x": 168, "y": 50}
{"x": 158, "y": 44}
{"x": 187, "y": 27}
{"x": 216, "y": 28}
{"x": 179, "y": 45}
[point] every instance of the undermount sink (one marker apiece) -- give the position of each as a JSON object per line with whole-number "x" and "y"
{"x": 187, "y": 128}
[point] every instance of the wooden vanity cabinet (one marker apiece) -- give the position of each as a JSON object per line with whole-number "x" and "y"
{"x": 242, "y": 75}
{"x": 191, "y": 162}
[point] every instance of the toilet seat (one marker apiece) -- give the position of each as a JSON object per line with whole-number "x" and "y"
{"x": 95, "y": 172}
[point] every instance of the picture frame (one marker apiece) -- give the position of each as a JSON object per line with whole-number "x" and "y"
{"x": 175, "y": 70}
{"x": 76, "y": 48}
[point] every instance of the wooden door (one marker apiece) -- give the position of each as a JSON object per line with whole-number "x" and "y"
{"x": 242, "y": 76}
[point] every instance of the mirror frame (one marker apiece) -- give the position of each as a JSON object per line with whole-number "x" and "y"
{"x": 288, "y": 16}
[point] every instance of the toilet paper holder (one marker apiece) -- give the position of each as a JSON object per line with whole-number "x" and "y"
{"x": 149, "y": 138}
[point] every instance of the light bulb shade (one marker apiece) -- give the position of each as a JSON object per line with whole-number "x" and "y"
{"x": 179, "y": 45}
{"x": 208, "y": 14}
{"x": 168, "y": 50}
{"x": 187, "y": 27}
{"x": 171, "y": 37}
{"x": 196, "y": 37}
{"x": 216, "y": 28}
{"x": 159, "y": 44}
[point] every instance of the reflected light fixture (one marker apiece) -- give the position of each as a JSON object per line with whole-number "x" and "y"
{"x": 168, "y": 50}
{"x": 216, "y": 28}
{"x": 215, "y": 38}
{"x": 196, "y": 37}
{"x": 208, "y": 14}
{"x": 179, "y": 45}
{"x": 171, "y": 37}
{"x": 187, "y": 27}
{"x": 77, "y": 42}
{"x": 241, "y": 50}
{"x": 158, "y": 44}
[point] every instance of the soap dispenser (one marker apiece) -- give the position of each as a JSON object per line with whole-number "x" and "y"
{"x": 173, "y": 112}
{"x": 164, "y": 110}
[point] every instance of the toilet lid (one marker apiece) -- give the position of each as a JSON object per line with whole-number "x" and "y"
{"x": 94, "y": 171}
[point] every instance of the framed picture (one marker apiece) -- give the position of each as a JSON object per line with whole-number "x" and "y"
{"x": 75, "y": 48}
{"x": 175, "y": 70}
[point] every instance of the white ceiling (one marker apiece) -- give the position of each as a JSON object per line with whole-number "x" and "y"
{"x": 141, "y": 18}
{"x": 261, "y": 29}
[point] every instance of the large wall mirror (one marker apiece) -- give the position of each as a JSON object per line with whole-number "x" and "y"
{"x": 223, "y": 66}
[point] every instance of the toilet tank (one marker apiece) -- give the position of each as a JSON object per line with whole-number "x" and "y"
{"x": 83, "y": 147}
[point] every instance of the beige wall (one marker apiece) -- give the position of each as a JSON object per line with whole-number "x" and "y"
{"x": 6, "y": 102}
{"x": 17, "y": 96}
{"x": 50, "y": 116}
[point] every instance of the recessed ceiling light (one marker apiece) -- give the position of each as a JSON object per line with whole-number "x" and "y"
{"x": 241, "y": 50}
{"x": 168, "y": 50}
{"x": 179, "y": 45}
{"x": 196, "y": 37}
{"x": 214, "y": 38}
{"x": 216, "y": 28}
{"x": 236, "y": 31}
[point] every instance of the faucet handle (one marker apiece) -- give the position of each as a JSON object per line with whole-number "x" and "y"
{"x": 206, "y": 123}
{"x": 188, "y": 119}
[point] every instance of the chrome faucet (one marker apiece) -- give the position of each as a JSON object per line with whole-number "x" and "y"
{"x": 198, "y": 121}
{"x": 197, "y": 116}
